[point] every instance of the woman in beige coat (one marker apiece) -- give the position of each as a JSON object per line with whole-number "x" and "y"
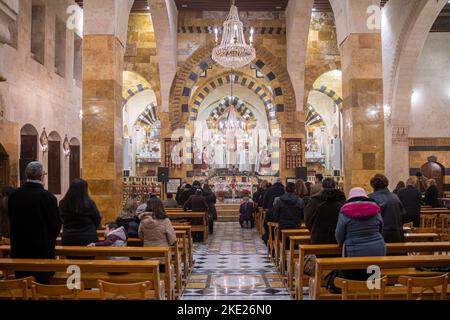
{"x": 155, "y": 229}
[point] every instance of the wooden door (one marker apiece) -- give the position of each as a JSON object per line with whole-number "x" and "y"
{"x": 54, "y": 167}
{"x": 28, "y": 153}
{"x": 434, "y": 170}
{"x": 4, "y": 168}
{"x": 74, "y": 163}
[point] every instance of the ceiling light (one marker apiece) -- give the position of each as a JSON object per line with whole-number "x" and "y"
{"x": 184, "y": 5}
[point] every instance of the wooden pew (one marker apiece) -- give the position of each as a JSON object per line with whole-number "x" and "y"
{"x": 294, "y": 242}
{"x": 166, "y": 253}
{"x": 325, "y": 265}
{"x": 285, "y": 234}
{"x": 149, "y": 269}
{"x": 192, "y": 216}
{"x": 421, "y": 237}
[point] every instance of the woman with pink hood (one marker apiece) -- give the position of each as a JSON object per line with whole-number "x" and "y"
{"x": 360, "y": 226}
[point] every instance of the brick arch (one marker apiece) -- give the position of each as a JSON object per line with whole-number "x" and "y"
{"x": 240, "y": 79}
{"x": 241, "y": 108}
{"x": 330, "y": 93}
{"x": 187, "y": 77}
{"x": 132, "y": 91}
{"x": 312, "y": 73}
{"x": 149, "y": 116}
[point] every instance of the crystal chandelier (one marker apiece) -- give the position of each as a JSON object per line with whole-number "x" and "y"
{"x": 233, "y": 52}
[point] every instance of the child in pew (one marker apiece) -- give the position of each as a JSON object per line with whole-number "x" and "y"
{"x": 115, "y": 236}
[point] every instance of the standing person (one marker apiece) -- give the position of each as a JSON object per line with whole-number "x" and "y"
{"x": 275, "y": 191}
{"x": 421, "y": 182}
{"x": 302, "y": 191}
{"x": 211, "y": 200}
{"x": 4, "y": 219}
{"x": 317, "y": 187}
{"x": 128, "y": 218}
{"x": 359, "y": 230}
{"x": 400, "y": 185}
{"x": 246, "y": 210}
{"x": 432, "y": 194}
{"x": 79, "y": 215}
{"x": 258, "y": 196}
{"x": 180, "y": 190}
{"x": 392, "y": 209}
{"x": 34, "y": 218}
{"x": 322, "y": 213}
{"x": 411, "y": 200}
{"x": 288, "y": 209}
{"x": 185, "y": 194}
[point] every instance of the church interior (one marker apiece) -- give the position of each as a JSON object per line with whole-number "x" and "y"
{"x": 142, "y": 99}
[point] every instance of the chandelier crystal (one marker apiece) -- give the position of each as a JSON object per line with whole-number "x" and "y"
{"x": 233, "y": 51}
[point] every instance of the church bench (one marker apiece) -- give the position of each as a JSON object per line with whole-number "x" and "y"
{"x": 421, "y": 237}
{"x": 148, "y": 270}
{"x": 334, "y": 250}
{"x": 285, "y": 234}
{"x": 198, "y": 220}
{"x": 169, "y": 255}
{"x": 294, "y": 242}
{"x": 273, "y": 235}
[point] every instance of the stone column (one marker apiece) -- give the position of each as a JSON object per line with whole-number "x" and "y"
{"x": 105, "y": 24}
{"x": 363, "y": 115}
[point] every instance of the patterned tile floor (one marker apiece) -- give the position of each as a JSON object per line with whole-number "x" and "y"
{"x": 233, "y": 265}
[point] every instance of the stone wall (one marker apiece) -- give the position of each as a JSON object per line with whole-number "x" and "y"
{"x": 34, "y": 93}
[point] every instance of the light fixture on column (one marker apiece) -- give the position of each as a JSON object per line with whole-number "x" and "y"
{"x": 233, "y": 51}
{"x": 44, "y": 141}
{"x": 66, "y": 147}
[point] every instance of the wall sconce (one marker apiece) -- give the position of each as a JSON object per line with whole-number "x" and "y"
{"x": 44, "y": 141}
{"x": 66, "y": 147}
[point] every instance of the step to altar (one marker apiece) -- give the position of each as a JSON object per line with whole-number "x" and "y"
{"x": 227, "y": 212}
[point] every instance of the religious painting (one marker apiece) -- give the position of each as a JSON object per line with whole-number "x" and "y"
{"x": 293, "y": 153}
{"x": 173, "y": 153}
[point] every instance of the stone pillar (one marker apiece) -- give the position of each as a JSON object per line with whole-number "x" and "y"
{"x": 105, "y": 25}
{"x": 363, "y": 115}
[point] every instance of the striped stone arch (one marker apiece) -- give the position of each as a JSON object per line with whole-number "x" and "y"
{"x": 313, "y": 117}
{"x": 188, "y": 75}
{"x": 336, "y": 98}
{"x": 148, "y": 116}
{"x": 132, "y": 91}
{"x": 240, "y": 106}
{"x": 237, "y": 78}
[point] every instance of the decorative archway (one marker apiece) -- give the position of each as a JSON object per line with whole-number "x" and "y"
{"x": 187, "y": 77}
{"x": 237, "y": 78}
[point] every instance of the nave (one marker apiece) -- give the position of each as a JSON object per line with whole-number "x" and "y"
{"x": 233, "y": 265}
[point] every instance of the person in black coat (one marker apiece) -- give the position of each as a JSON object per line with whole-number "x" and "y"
{"x": 34, "y": 221}
{"x": 411, "y": 200}
{"x": 432, "y": 194}
{"x": 322, "y": 213}
{"x": 275, "y": 191}
{"x": 4, "y": 218}
{"x": 184, "y": 195}
{"x": 288, "y": 209}
{"x": 79, "y": 215}
{"x": 392, "y": 209}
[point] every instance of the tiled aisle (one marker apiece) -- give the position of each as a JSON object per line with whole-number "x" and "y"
{"x": 233, "y": 264}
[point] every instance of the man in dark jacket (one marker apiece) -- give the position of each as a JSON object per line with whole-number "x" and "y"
{"x": 411, "y": 200}
{"x": 322, "y": 213}
{"x": 184, "y": 195}
{"x": 196, "y": 202}
{"x": 35, "y": 223}
{"x": 288, "y": 209}
{"x": 275, "y": 191}
{"x": 392, "y": 209}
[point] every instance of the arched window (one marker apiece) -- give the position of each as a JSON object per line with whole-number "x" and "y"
{"x": 75, "y": 160}
{"x": 28, "y": 149}
{"x": 54, "y": 163}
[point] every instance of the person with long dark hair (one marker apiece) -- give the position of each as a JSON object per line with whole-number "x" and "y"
{"x": 4, "y": 219}
{"x": 79, "y": 215}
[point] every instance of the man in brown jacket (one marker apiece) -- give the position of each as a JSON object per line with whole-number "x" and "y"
{"x": 196, "y": 202}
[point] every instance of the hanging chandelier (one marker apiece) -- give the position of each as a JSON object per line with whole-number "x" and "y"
{"x": 233, "y": 51}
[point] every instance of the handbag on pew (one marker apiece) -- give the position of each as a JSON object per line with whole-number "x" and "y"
{"x": 330, "y": 282}
{"x": 310, "y": 265}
